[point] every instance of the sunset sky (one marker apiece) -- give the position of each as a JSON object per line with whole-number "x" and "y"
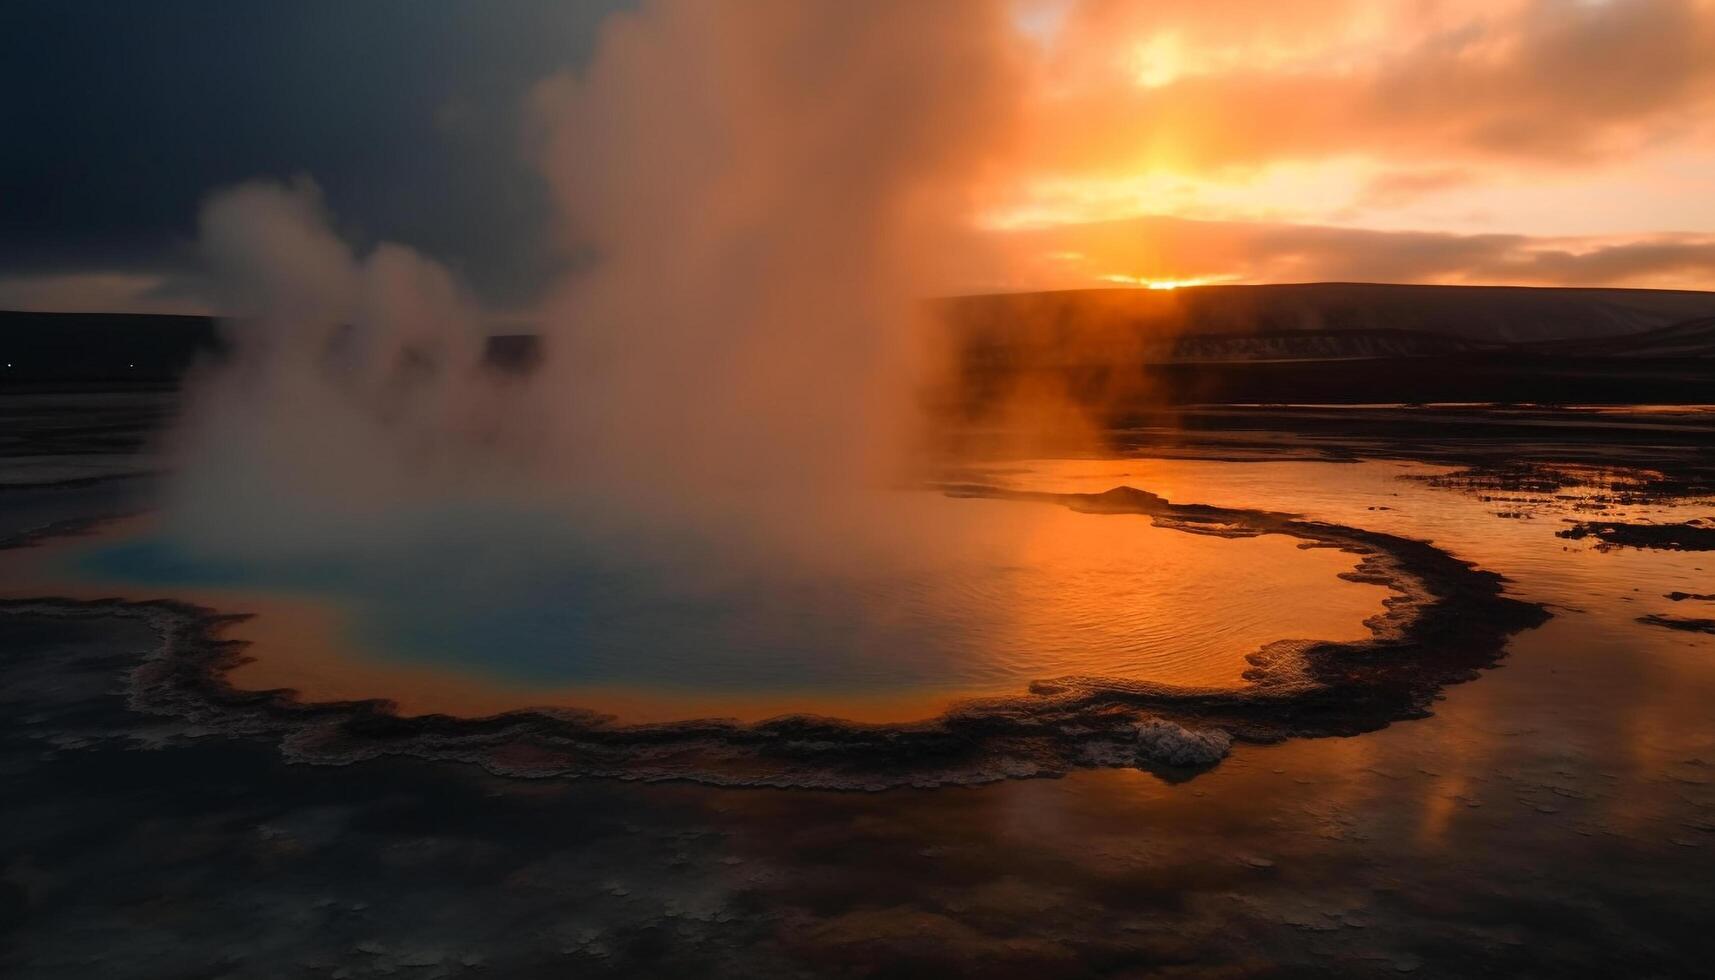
{"x": 1457, "y": 141}
{"x": 1535, "y": 141}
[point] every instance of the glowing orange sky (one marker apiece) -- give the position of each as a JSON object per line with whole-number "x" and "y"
{"x": 1545, "y": 142}
{"x": 1524, "y": 141}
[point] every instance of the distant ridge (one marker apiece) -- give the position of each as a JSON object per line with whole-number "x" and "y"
{"x": 1484, "y": 314}
{"x": 145, "y": 348}
{"x": 1690, "y": 338}
{"x": 102, "y": 347}
{"x": 1302, "y": 341}
{"x": 1123, "y": 351}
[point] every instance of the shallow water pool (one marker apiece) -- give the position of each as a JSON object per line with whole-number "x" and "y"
{"x": 470, "y": 609}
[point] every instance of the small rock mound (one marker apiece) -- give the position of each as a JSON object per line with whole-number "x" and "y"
{"x": 1169, "y": 744}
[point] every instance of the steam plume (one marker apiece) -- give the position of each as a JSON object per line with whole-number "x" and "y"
{"x": 769, "y": 188}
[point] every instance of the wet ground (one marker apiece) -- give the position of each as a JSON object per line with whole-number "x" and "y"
{"x": 1555, "y": 816}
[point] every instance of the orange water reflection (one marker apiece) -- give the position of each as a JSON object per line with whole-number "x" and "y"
{"x": 1593, "y": 734}
{"x": 1072, "y": 594}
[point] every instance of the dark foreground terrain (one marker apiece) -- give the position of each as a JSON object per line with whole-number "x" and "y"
{"x": 1553, "y": 817}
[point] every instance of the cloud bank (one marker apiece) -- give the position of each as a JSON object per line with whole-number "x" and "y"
{"x": 1160, "y": 248}
{"x": 1581, "y": 131}
{"x": 1532, "y": 141}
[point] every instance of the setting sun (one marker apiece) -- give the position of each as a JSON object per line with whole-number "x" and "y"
{"x": 1148, "y": 283}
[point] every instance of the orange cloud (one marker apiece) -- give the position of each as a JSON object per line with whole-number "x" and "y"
{"x": 1350, "y": 139}
{"x": 1155, "y": 249}
{"x": 1347, "y": 110}
{"x": 1557, "y": 82}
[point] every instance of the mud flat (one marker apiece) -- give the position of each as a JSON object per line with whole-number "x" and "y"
{"x": 1446, "y": 621}
{"x": 1685, "y": 624}
{"x": 1686, "y": 536}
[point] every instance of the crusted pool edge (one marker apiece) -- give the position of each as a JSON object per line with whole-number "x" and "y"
{"x": 1445, "y": 621}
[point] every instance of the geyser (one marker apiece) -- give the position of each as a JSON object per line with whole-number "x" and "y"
{"x": 698, "y": 488}
{"x": 734, "y": 369}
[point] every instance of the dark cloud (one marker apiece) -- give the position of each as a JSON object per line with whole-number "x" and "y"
{"x": 1686, "y": 258}
{"x": 118, "y": 118}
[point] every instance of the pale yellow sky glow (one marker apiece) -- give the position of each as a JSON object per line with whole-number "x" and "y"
{"x": 1535, "y": 141}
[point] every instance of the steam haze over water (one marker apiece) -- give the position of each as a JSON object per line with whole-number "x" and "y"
{"x": 737, "y": 363}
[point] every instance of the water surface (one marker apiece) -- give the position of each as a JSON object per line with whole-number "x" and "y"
{"x": 503, "y": 609}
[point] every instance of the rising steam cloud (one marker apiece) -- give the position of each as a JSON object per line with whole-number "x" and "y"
{"x": 769, "y": 190}
{"x": 772, "y": 188}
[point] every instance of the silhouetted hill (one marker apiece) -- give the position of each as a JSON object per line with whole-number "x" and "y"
{"x": 101, "y": 347}
{"x": 1692, "y": 338}
{"x": 137, "y": 348}
{"x": 1102, "y": 321}
{"x": 1301, "y": 345}
{"x": 1126, "y": 350}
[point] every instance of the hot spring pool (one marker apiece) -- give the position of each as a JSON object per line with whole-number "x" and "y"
{"x": 483, "y": 609}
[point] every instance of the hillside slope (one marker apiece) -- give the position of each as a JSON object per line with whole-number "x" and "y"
{"x": 1102, "y": 319}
